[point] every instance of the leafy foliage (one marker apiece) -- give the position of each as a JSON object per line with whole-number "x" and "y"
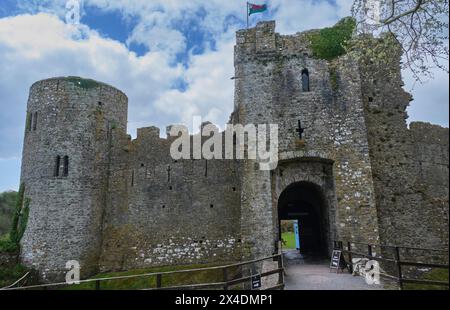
{"x": 287, "y": 226}
{"x": 7, "y": 203}
{"x": 330, "y": 43}
{"x": 19, "y": 222}
{"x": 8, "y": 246}
{"x": 23, "y": 219}
{"x": 15, "y": 235}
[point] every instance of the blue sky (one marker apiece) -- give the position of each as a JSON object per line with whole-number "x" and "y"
{"x": 173, "y": 58}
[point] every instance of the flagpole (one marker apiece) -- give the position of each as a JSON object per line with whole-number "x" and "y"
{"x": 247, "y": 14}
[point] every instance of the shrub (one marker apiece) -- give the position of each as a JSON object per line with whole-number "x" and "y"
{"x": 8, "y": 246}
{"x": 15, "y": 229}
{"x": 19, "y": 223}
{"x": 330, "y": 43}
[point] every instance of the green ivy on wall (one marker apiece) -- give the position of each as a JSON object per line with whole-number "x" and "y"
{"x": 23, "y": 219}
{"x": 14, "y": 234}
{"x": 330, "y": 43}
{"x": 19, "y": 222}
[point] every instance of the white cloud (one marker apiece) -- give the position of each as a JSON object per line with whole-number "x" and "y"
{"x": 210, "y": 90}
{"x": 155, "y": 33}
{"x": 430, "y": 98}
{"x": 295, "y": 16}
{"x": 33, "y": 47}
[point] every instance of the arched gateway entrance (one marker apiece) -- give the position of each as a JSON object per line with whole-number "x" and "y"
{"x": 304, "y": 190}
{"x": 305, "y": 202}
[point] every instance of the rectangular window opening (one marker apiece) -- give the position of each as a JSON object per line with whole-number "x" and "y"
{"x": 57, "y": 165}
{"x": 66, "y": 166}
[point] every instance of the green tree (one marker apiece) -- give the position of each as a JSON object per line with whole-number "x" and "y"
{"x": 18, "y": 222}
{"x": 7, "y": 203}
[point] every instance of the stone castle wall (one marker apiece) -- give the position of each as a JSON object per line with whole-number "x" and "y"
{"x": 431, "y": 148}
{"x": 169, "y": 212}
{"x": 126, "y": 204}
{"x": 410, "y": 166}
{"x": 269, "y": 90}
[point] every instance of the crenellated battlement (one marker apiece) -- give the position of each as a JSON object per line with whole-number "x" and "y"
{"x": 262, "y": 43}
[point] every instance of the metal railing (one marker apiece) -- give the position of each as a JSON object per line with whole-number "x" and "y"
{"x": 226, "y": 283}
{"x": 396, "y": 260}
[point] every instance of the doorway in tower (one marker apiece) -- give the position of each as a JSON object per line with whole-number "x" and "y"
{"x": 303, "y": 220}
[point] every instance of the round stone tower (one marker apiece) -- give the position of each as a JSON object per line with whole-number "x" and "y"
{"x": 65, "y": 171}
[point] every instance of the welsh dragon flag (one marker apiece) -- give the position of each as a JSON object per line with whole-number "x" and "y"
{"x": 256, "y": 8}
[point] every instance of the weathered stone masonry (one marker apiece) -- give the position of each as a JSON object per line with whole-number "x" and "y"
{"x": 114, "y": 203}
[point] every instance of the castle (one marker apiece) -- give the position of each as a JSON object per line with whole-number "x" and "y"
{"x": 349, "y": 168}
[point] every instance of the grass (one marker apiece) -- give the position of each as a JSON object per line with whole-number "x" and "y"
{"x": 289, "y": 238}
{"x": 438, "y": 274}
{"x": 207, "y": 276}
{"x": 9, "y": 275}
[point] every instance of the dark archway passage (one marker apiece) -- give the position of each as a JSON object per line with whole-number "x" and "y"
{"x": 304, "y": 201}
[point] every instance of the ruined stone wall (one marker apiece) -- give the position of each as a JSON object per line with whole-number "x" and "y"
{"x": 431, "y": 147}
{"x": 410, "y": 167}
{"x": 169, "y": 212}
{"x": 71, "y": 117}
{"x": 269, "y": 91}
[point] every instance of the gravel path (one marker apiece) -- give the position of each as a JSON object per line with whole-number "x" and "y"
{"x": 313, "y": 274}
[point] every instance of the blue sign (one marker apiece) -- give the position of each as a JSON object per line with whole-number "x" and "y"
{"x": 297, "y": 236}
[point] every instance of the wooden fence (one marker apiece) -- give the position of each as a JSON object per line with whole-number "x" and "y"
{"x": 226, "y": 283}
{"x": 353, "y": 249}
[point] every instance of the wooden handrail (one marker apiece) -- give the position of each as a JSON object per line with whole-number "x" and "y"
{"x": 217, "y": 284}
{"x": 160, "y": 274}
{"x": 400, "y": 247}
{"x": 397, "y": 261}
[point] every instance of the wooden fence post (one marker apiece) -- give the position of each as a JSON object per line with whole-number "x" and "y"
{"x": 158, "y": 280}
{"x": 398, "y": 265}
{"x": 281, "y": 269}
{"x": 225, "y": 278}
{"x": 350, "y": 264}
